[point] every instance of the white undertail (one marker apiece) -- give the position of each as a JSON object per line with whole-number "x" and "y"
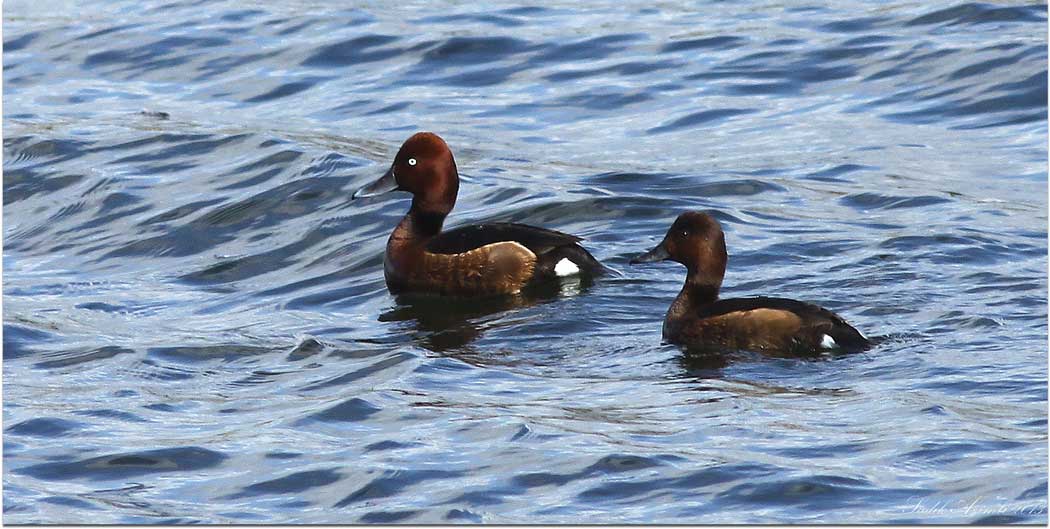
{"x": 828, "y": 342}
{"x": 565, "y": 267}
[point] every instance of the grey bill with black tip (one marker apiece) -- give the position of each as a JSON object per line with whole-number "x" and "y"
{"x": 385, "y": 184}
{"x": 656, "y": 254}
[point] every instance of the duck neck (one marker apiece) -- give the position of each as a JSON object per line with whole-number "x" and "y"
{"x": 417, "y": 228}
{"x": 696, "y": 293}
{"x": 407, "y": 244}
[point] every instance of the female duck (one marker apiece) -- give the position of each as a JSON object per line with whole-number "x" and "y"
{"x": 697, "y": 318}
{"x": 475, "y": 260}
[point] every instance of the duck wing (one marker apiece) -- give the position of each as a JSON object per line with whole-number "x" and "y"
{"x": 813, "y": 318}
{"x": 725, "y": 306}
{"x": 466, "y": 238}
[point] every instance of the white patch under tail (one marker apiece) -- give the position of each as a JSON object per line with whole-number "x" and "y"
{"x": 827, "y": 342}
{"x": 565, "y": 267}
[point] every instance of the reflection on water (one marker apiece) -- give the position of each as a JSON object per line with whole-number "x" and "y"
{"x": 196, "y": 327}
{"x": 448, "y": 323}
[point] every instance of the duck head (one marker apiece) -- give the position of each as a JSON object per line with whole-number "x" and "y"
{"x": 695, "y": 240}
{"x": 424, "y": 167}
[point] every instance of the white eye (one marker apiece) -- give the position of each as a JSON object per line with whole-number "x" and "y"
{"x": 411, "y": 161}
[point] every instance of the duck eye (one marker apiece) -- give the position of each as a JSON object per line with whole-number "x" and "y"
{"x": 411, "y": 161}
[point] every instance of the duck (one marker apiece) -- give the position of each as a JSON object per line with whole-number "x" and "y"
{"x": 700, "y": 321}
{"x": 489, "y": 259}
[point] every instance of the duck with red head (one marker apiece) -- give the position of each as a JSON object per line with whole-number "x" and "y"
{"x": 699, "y": 320}
{"x": 475, "y": 260}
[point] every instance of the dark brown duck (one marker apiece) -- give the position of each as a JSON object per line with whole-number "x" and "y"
{"x": 474, "y": 260}
{"x": 698, "y": 319}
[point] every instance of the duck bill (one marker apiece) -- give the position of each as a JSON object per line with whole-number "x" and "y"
{"x": 385, "y": 184}
{"x": 656, "y": 254}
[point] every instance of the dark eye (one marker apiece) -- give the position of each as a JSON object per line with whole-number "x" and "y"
{"x": 685, "y": 233}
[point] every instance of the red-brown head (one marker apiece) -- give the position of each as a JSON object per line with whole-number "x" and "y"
{"x": 424, "y": 167}
{"x": 697, "y": 241}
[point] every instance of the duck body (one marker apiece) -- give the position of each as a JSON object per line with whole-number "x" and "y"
{"x": 697, "y": 319}
{"x": 479, "y": 259}
{"x": 470, "y": 261}
{"x": 760, "y": 324}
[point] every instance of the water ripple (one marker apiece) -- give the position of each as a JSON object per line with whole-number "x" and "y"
{"x": 197, "y": 330}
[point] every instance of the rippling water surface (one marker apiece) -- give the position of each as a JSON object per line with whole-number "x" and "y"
{"x": 196, "y": 327}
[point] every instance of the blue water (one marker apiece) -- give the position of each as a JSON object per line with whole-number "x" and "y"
{"x": 196, "y": 327}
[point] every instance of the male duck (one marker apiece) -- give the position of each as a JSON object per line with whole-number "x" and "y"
{"x": 475, "y": 260}
{"x": 698, "y": 319}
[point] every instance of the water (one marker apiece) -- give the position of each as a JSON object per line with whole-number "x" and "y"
{"x": 196, "y": 327}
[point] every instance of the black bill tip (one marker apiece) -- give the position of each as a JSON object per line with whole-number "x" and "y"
{"x": 656, "y": 254}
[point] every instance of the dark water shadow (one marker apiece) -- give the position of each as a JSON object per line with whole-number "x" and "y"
{"x": 709, "y": 362}
{"x": 443, "y": 324}
{"x": 127, "y": 465}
